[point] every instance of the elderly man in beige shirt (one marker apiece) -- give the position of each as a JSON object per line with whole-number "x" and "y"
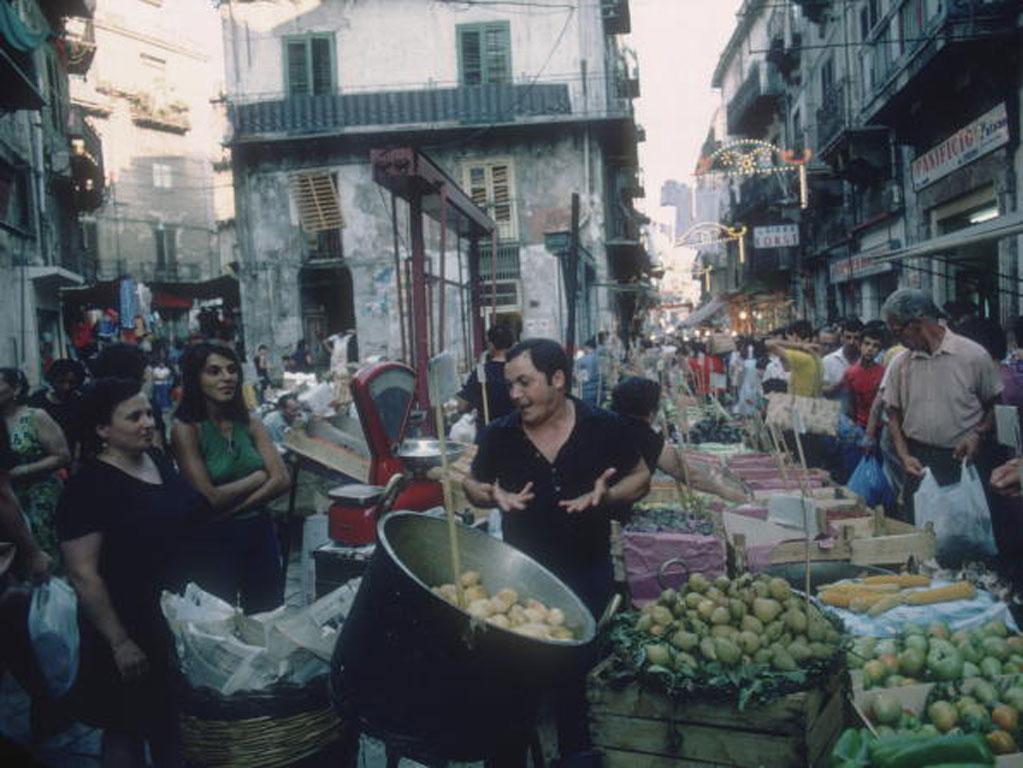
{"x": 940, "y": 394}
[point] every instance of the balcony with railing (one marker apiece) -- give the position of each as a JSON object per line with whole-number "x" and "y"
{"x": 79, "y": 45}
{"x": 615, "y": 15}
{"x": 814, "y": 10}
{"x": 430, "y": 107}
{"x": 149, "y": 112}
{"x": 926, "y": 39}
{"x": 754, "y": 104}
{"x": 831, "y": 117}
{"x": 87, "y": 176}
{"x": 507, "y": 264}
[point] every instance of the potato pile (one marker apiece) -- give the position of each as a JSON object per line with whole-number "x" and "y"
{"x": 505, "y": 609}
{"x": 745, "y": 622}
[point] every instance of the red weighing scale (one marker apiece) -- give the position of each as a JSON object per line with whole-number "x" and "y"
{"x": 383, "y": 395}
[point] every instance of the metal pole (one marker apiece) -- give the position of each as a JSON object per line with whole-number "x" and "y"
{"x": 475, "y": 296}
{"x": 397, "y": 276}
{"x": 463, "y": 317}
{"x": 442, "y": 302}
{"x": 420, "y": 309}
{"x": 493, "y": 277}
{"x": 572, "y": 276}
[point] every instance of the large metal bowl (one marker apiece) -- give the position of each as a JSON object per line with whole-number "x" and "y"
{"x": 421, "y": 454}
{"x": 413, "y": 670}
{"x": 822, "y": 572}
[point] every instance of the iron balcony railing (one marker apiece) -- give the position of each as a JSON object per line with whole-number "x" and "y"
{"x": 755, "y": 100}
{"x": 831, "y": 117}
{"x": 508, "y": 267}
{"x": 911, "y": 25}
{"x": 427, "y": 107}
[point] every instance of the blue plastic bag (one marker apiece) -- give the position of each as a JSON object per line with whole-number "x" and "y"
{"x": 868, "y": 481}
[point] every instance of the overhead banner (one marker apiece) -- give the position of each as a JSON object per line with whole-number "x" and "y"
{"x": 776, "y": 236}
{"x": 985, "y": 134}
{"x": 861, "y": 265}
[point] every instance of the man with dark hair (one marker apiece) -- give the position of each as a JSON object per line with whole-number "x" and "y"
{"x": 799, "y": 357}
{"x": 862, "y": 379}
{"x": 287, "y": 416}
{"x": 837, "y": 363}
{"x": 64, "y": 377}
{"x": 558, "y": 468}
{"x": 499, "y": 340}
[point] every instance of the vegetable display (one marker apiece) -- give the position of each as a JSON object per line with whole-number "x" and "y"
{"x": 659, "y": 519}
{"x": 877, "y": 594}
{"x": 748, "y": 639}
{"x": 933, "y": 653}
{"x": 507, "y": 610}
{"x": 715, "y": 430}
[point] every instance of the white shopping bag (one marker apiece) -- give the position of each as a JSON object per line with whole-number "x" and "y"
{"x": 53, "y": 628}
{"x": 961, "y": 518}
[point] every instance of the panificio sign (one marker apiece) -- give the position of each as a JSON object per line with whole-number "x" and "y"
{"x": 983, "y": 135}
{"x": 776, "y": 236}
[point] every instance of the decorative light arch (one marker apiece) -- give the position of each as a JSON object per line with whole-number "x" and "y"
{"x": 705, "y": 233}
{"x": 753, "y": 157}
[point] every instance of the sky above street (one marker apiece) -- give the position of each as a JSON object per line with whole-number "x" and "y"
{"x": 678, "y": 43}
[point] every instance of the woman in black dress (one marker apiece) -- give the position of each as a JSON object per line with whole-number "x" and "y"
{"x": 120, "y": 520}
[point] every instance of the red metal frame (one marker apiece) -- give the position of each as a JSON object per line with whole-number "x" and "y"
{"x": 383, "y": 463}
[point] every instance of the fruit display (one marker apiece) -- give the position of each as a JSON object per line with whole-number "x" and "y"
{"x": 506, "y": 609}
{"x": 751, "y": 638}
{"x": 932, "y": 653}
{"x": 662, "y": 518}
{"x": 715, "y": 430}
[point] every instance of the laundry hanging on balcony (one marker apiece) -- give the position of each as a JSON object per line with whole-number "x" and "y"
{"x": 16, "y": 34}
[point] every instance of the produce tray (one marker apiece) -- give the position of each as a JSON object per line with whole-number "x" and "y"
{"x": 635, "y": 726}
{"x": 914, "y": 698}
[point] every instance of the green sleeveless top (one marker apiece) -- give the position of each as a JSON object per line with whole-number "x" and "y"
{"x": 228, "y": 459}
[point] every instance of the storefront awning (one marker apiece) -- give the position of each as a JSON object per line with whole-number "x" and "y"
{"x": 704, "y": 313}
{"x": 53, "y": 276}
{"x": 1006, "y": 225}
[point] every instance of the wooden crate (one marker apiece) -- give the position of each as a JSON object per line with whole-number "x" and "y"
{"x": 635, "y": 727}
{"x": 876, "y": 540}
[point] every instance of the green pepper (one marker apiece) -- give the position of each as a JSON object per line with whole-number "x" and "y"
{"x": 917, "y": 753}
{"x": 944, "y": 661}
{"x": 850, "y": 751}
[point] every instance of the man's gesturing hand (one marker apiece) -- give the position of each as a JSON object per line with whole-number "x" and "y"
{"x": 594, "y": 498}
{"x": 508, "y": 501}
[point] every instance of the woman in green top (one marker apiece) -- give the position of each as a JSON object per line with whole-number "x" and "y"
{"x": 226, "y": 454}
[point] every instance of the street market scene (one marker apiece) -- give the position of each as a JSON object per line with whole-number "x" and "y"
{"x": 412, "y": 384}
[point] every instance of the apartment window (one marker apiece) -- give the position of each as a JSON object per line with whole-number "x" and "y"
{"x": 869, "y": 14}
{"x": 492, "y": 187}
{"x": 163, "y": 177}
{"x": 797, "y": 130}
{"x": 827, "y": 75}
{"x": 88, "y": 235}
{"x": 484, "y": 53}
{"x": 166, "y": 247}
{"x": 317, "y": 201}
{"x": 309, "y": 65}
{"x": 54, "y": 93}
{"x": 15, "y": 208}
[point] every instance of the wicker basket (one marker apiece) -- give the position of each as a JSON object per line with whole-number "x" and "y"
{"x": 257, "y": 730}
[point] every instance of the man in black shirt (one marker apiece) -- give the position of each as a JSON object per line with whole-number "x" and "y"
{"x": 549, "y": 466}
{"x": 499, "y": 341}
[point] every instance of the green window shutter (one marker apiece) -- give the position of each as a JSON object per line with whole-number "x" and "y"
{"x": 496, "y": 54}
{"x": 470, "y": 59}
{"x": 322, "y": 54}
{"x": 296, "y": 67}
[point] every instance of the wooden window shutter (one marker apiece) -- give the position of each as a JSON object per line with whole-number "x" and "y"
{"x": 470, "y": 56}
{"x": 317, "y": 201}
{"x": 496, "y": 52}
{"x": 321, "y": 50}
{"x": 503, "y": 210}
{"x": 297, "y": 67}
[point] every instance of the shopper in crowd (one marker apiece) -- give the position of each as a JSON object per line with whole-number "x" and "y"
{"x": 286, "y": 416}
{"x": 989, "y": 333}
{"x": 862, "y": 379}
{"x": 21, "y": 557}
{"x": 587, "y": 374}
{"x": 163, "y": 381}
{"x": 122, "y": 519}
{"x": 227, "y": 455}
{"x": 127, "y": 361}
{"x": 41, "y": 451}
{"x": 775, "y": 377}
{"x": 499, "y": 340}
{"x": 261, "y": 362}
{"x": 59, "y": 399}
{"x": 637, "y": 401}
{"x": 800, "y": 358}
{"x": 941, "y": 393}
{"x": 828, "y": 339}
{"x": 837, "y": 363}
{"x": 557, "y": 469}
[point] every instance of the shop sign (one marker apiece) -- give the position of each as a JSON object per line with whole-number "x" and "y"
{"x": 860, "y": 266}
{"x": 776, "y": 236}
{"x": 983, "y": 135}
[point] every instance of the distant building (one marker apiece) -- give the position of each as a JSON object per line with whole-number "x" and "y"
{"x": 519, "y": 107}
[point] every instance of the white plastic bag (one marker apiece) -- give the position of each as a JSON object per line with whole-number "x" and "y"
{"x": 464, "y": 430}
{"x": 961, "y": 518}
{"x": 53, "y": 629}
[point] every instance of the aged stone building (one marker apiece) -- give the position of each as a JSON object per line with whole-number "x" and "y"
{"x": 520, "y": 109}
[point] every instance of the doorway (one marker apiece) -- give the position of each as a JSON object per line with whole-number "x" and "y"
{"x": 328, "y": 304}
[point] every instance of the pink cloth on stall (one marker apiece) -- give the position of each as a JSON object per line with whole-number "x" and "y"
{"x": 646, "y": 552}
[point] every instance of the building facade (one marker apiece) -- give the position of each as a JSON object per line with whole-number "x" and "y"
{"x": 50, "y": 171}
{"x": 910, "y": 112}
{"x": 520, "y": 109}
{"x": 150, "y": 95}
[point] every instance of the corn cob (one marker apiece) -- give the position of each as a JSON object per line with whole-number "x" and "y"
{"x": 863, "y": 602}
{"x": 902, "y": 579}
{"x": 961, "y": 590}
{"x": 885, "y": 604}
